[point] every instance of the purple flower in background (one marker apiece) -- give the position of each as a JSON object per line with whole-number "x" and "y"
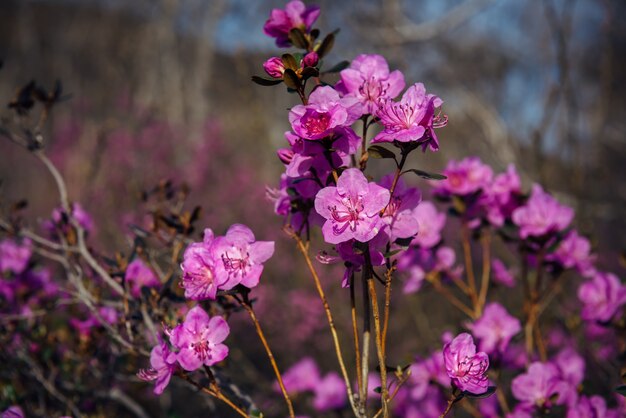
{"x": 324, "y": 113}
{"x": 139, "y": 275}
{"x": 240, "y": 256}
{"x": 466, "y": 367}
{"x": 501, "y": 274}
{"x": 426, "y": 371}
{"x": 352, "y": 208}
{"x": 330, "y": 393}
{"x": 495, "y": 328}
{"x": 501, "y": 197}
{"x": 274, "y": 67}
{"x": 411, "y": 119}
{"x": 464, "y": 177}
{"x": 78, "y": 213}
{"x": 199, "y": 339}
{"x": 574, "y": 252}
{"x": 301, "y": 377}
{"x": 368, "y": 80}
{"x": 538, "y": 386}
{"x": 162, "y": 366}
{"x": 400, "y": 214}
{"x": 431, "y": 222}
{"x": 199, "y": 278}
{"x": 542, "y": 214}
{"x": 14, "y": 256}
{"x": 417, "y": 262}
{"x": 13, "y": 412}
{"x": 295, "y": 15}
{"x": 592, "y": 407}
{"x": 602, "y": 297}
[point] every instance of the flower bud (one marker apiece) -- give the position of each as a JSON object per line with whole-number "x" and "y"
{"x": 274, "y": 67}
{"x": 310, "y": 60}
{"x": 285, "y": 155}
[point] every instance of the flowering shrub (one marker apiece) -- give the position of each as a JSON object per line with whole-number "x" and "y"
{"x": 165, "y": 308}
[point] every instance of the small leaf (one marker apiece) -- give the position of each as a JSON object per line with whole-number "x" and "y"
{"x": 326, "y": 45}
{"x": 262, "y": 81}
{"x": 378, "y": 389}
{"x": 490, "y": 391}
{"x": 378, "y": 151}
{"x": 297, "y": 38}
{"x": 289, "y": 62}
{"x": 314, "y": 33}
{"x": 340, "y": 66}
{"x": 309, "y": 72}
{"x": 255, "y": 413}
{"x": 391, "y": 253}
{"x": 291, "y": 79}
{"x": 621, "y": 390}
{"x": 426, "y": 175}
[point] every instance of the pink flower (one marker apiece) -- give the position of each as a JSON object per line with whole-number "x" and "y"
{"x": 495, "y": 329}
{"x": 369, "y": 81}
{"x": 139, "y": 275}
{"x": 14, "y": 256}
{"x": 274, "y": 67}
{"x": 352, "y": 208}
{"x": 574, "y": 252}
{"x": 466, "y": 367}
{"x": 541, "y": 215}
{"x": 330, "y": 393}
{"x": 310, "y": 60}
{"x": 501, "y": 274}
{"x": 241, "y": 256}
{"x": 13, "y": 412}
{"x": 538, "y": 386}
{"x": 199, "y": 278}
{"x": 602, "y": 297}
{"x": 324, "y": 113}
{"x": 431, "y": 222}
{"x": 162, "y": 366}
{"x": 412, "y": 119}
{"x": 592, "y": 407}
{"x": 199, "y": 339}
{"x": 501, "y": 197}
{"x": 464, "y": 177}
{"x": 295, "y": 15}
{"x": 301, "y": 377}
{"x": 400, "y": 213}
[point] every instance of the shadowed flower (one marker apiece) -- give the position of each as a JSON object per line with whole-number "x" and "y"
{"x": 330, "y": 393}
{"x": 240, "y": 256}
{"x": 602, "y": 297}
{"x": 14, "y": 256}
{"x": 295, "y": 15}
{"x": 574, "y": 252}
{"x": 162, "y": 365}
{"x": 412, "y": 119}
{"x": 464, "y": 177}
{"x": 592, "y": 407}
{"x": 431, "y": 222}
{"x": 139, "y": 275}
{"x": 542, "y": 214}
{"x": 501, "y": 274}
{"x": 495, "y": 328}
{"x": 369, "y": 81}
{"x": 13, "y": 412}
{"x": 301, "y": 377}
{"x": 352, "y": 208}
{"x": 199, "y": 339}
{"x": 400, "y": 213}
{"x": 466, "y": 367}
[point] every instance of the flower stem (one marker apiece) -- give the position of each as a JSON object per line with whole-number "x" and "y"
{"x": 484, "y": 286}
{"x": 355, "y": 333}
{"x": 469, "y": 267}
{"x": 216, "y": 393}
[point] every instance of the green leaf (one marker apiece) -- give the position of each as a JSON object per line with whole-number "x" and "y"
{"x": 309, "y": 72}
{"x": 289, "y": 62}
{"x": 291, "y": 79}
{"x": 404, "y": 242}
{"x": 426, "y": 175}
{"x": 490, "y": 391}
{"x": 297, "y": 38}
{"x": 255, "y": 413}
{"x": 326, "y": 45}
{"x": 392, "y": 253}
{"x": 262, "y": 81}
{"x": 378, "y": 151}
{"x": 340, "y": 66}
{"x": 621, "y": 390}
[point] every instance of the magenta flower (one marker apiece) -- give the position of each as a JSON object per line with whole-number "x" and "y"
{"x": 417, "y": 262}
{"x": 431, "y": 223}
{"x": 310, "y": 60}
{"x": 574, "y": 252}
{"x": 274, "y": 67}
{"x": 602, "y": 297}
{"x": 592, "y": 407}
{"x": 538, "y": 386}
{"x": 14, "y": 256}
{"x": 199, "y": 265}
{"x": 139, "y": 275}
{"x": 541, "y": 215}
{"x": 241, "y": 256}
{"x": 162, "y": 366}
{"x": 466, "y": 367}
{"x": 495, "y": 329}
{"x": 400, "y": 214}
{"x": 369, "y": 81}
{"x": 424, "y": 372}
{"x": 324, "y": 113}
{"x": 464, "y": 177}
{"x": 501, "y": 274}
{"x": 295, "y": 15}
{"x": 199, "y": 339}
{"x": 412, "y": 119}
{"x": 301, "y": 377}
{"x": 352, "y": 209}
{"x": 501, "y": 197}
{"x": 330, "y": 393}
{"x": 13, "y": 412}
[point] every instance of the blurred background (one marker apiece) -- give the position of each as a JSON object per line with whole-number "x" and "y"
{"x": 160, "y": 89}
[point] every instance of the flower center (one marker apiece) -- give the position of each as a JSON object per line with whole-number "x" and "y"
{"x": 201, "y": 348}
{"x": 237, "y": 265}
{"x": 347, "y": 216}
{"x": 315, "y": 122}
{"x": 373, "y": 88}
